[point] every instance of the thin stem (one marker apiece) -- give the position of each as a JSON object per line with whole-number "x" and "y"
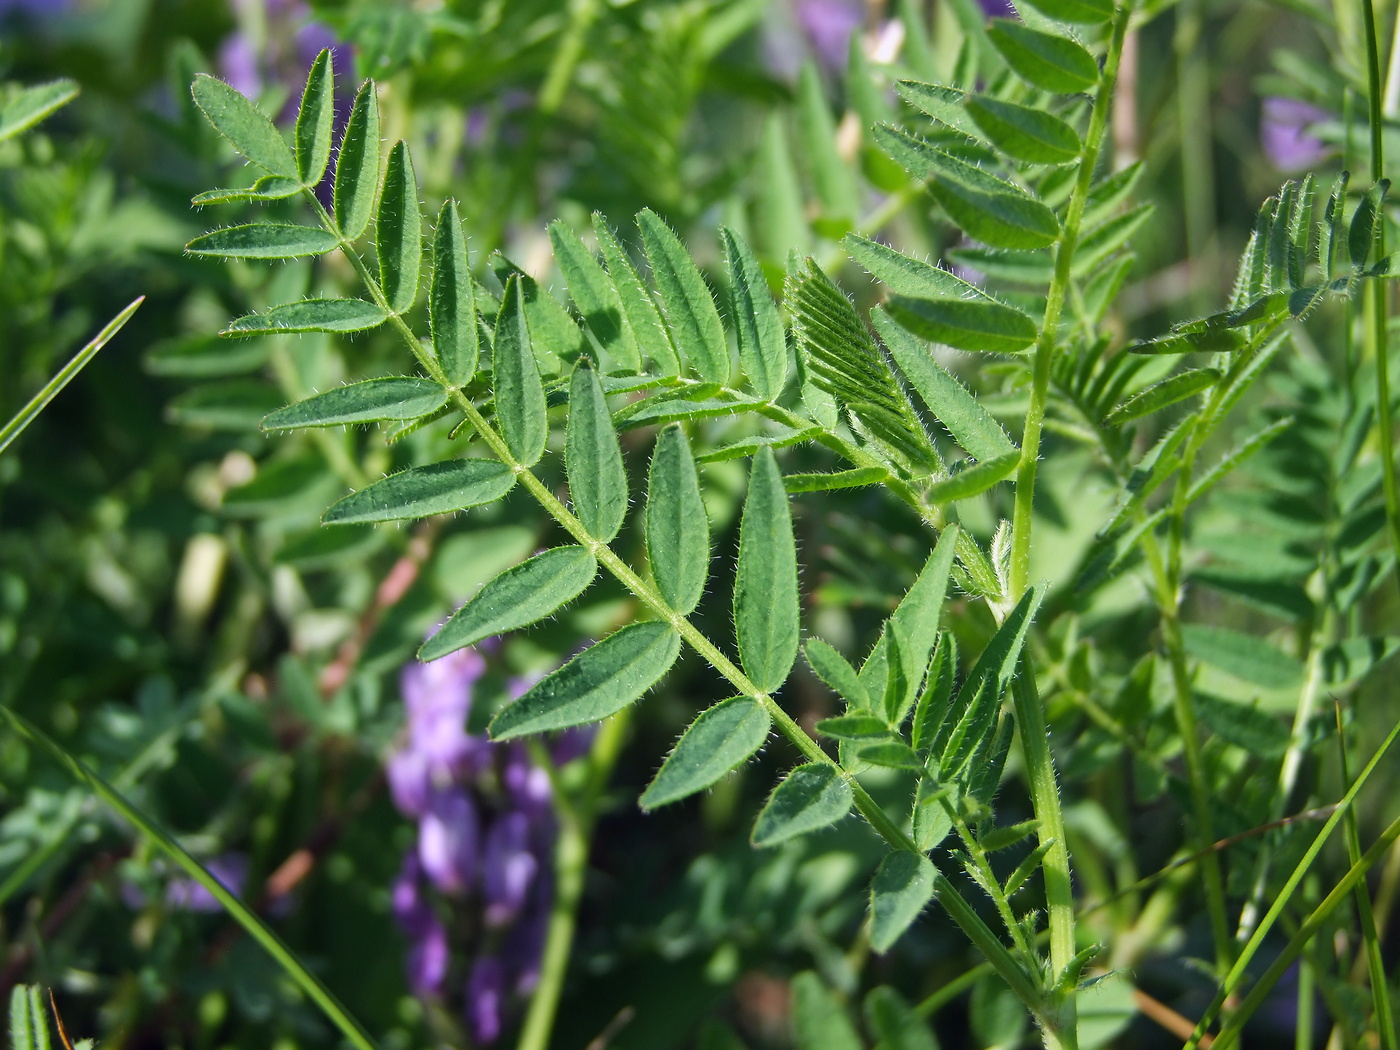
{"x": 1021, "y": 521}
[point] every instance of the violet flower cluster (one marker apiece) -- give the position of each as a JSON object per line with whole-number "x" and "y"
{"x": 478, "y": 878}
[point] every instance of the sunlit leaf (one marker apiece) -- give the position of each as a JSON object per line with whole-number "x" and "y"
{"x": 398, "y": 234}
{"x": 263, "y": 240}
{"x": 1024, "y": 133}
{"x": 639, "y": 310}
{"x": 311, "y": 315}
{"x": 595, "y": 296}
{"x": 418, "y": 492}
{"x": 763, "y": 352}
{"x": 452, "y": 301}
{"x": 811, "y": 797}
{"x": 520, "y": 402}
{"x": 1044, "y": 60}
{"x": 767, "y": 612}
{"x": 1243, "y": 655}
{"x": 690, "y": 308}
{"x": 833, "y": 669}
{"x": 593, "y": 458}
{"x": 373, "y": 401}
{"x": 1161, "y": 395}
{"x": 244, "y": 125}
{"x": 315, "y": 120}
{"x": 678, "y": 533}
{"x": 357, "y": 165}
{"x": 719, "y": 740}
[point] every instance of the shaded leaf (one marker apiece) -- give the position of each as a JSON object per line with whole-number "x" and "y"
{"x": 357, "y": 165}
{"x": 1044, "y": 60}
{"x": 1261, "y": 734}
{"x": 766, "y": 605}
{"x": 518, "y": 597}
{"x": 892, "y": 1023}
{"x": 243, "y": 124}
{"x": 1361, "y": 234}
{"x": 1243, "y": 655}
{"x": 810, "y": 797}
{"x": 398, "y": 234}
{"x": 32, "y": 104}
{"x": 421, "y": 491}
{"x": 1160, "y": 395}
{"x": 833, "y": 179}
{"x": 520, "y": 402}
{"x": 373, "y": 401}
{"x": 600, "y": 681}
{"x": 311, "y": 315}
{"x": 690, "y": 308}
{"x": 315, "y": 120}
{"x": 639, "y": 310}
{"x": 719, "y": 740}
{"x": 832, "y": 668}
{"x": 595, "y": 295}
{"x": 593, "y": 458}
{"x": 678, "y": 532}
{"x": 763, "y": 352}
{"x": 819, "y": 1022}
{"x": 263, "y": 240}
{"x": 902, "y": 887}
{"x": 452, "y": 301}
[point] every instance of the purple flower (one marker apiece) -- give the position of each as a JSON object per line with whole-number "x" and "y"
{"x": 828, "y": 26}
{"x": 508, "y": 868}
{"x": 413, "y": 913}
{"x": 449, "y": 841}
{"x": 1284, "y": 136}
{"x": 428, "y": 958}
{"x": 571, "y": 744}
{"x": 527, "y": 783}
{"x": 486, "y": 999}
{"x": 184, "y": 893}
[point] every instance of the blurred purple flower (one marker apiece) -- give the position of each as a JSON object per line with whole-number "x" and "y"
{"x": 449, "y": 838}
{"x": 998, "y": 8}
{"x": 508, "y": 868}
{"x": 35, "y": 8}
{"x": 486, "y": 999}
{"x": 412, "y": 912}
{"x": 230, "y": 869}
{"x": 1284, "y": 137}
{"x": 572, "y": 743}
{"x": 828, "y": 26}
{"x": 527, "y": 783}
{"x": 428, "y": 958}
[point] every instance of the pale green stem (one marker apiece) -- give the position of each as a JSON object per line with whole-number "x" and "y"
{"x": 1022, "y": 517}
{"x": 27, "y": 414}
{"x": 1021, "y": 983}
{"x": 582, "y": 14}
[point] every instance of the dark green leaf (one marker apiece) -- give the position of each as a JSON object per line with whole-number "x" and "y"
{"x": 32, "y": 104}
{"x": 1210, "y": 340}
{"x": 373, "y": 401}
{"x": 831, "y": 667}
{"x": 1044, "y": 60}
{"x": 943, "y": 104}
{"x": 858, "y": 477}
{"x": 855, "y": 727}
{"x": 452, "y": 301}
{"x": 267, "y": 188}
{"x": 315, "y": 120}
{"x": 1243, "y": 655}
{"x": 763, "y": 352}
{"x": 639, "y": 310}
{"x": 518, "y": 597}
{"x": 893, "y": 1025}
{"x": 686, "y": 297}
{"x": 1006, "y": 837}
{"x": 932, "y": 708}
{"x": 1023, "y": 133}
{"x": 1089, "y": 12}
{"x": 973, "y": 480}
{"x": 595, "y": 295}
{"x": 311, "y": 315}
{"x": 357, "y": 165}
{"x": 965, "y": 324}
{"x": 422, "y": 491}
{"x": 767, "y": 612}
{"x": 1261, "y": 734}
{"x": 600, "y": 681}
{"x": 1361, "y": 235}
{"x": 910, "y": 277}
{"x": 902, "y": 887}
{"x": 520, "y": 402}
{"x": 398, "y": 234}
{"x": 557, "y": 339}
{"x": 818, "y": 1020}
{"x": 593, "y": 458}
{"x": 263, "y": 240}
{"x": 949, "y": 401}
{"x": 678, "y": 533}
{"x": 716, "y": 742}
{"x": 1329, "y": 226}
{"x": 810, "y": 797}
{"x": 893, "y": 755}
{"x": 1160, "y": 395}
{"x": 239, "y": 121}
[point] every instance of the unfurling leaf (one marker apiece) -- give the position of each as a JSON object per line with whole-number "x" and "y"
{"x": 311, "y": 315}
{"x": 263, "y": 240}
{"x": 243, "y": 124}
{"x": 520, "y": 403}
{"x": 357, "y": 165}
{"x": 452, "y": 301}
{"x": 315, "y": 120}
{"x": 763, "y": 352}
{"x": 518, "y": 597}
{"x": 398, "y": 233}
{"x": 678, "y": 533}
{"x": 593, "y": 458}
{"x": 766, "y": 607}
{"x": 810, "y": 797}
{"x": 686, "y": 298}
{"x": 422, "y": 491}
{"x": 600, "y": 681}
{"x": 719, "y": 740}
{"x": 373, "y": 401}
{"x": 902, "y": 887}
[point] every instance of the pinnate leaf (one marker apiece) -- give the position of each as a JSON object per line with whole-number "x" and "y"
{"x": 902, "y": 887}
{"x": 520, "y": 402}
{"x": 357, "y": 165}
{"x": 810, "y": 797}
{"x": 678, "y": 533}
{"x": 600, "y": 681}
{"x": 243, "y": 124}
{"x": 719, "y": 740}
{"x": 422, "y": 491}
{"x": 763, "y": 349}
{"x": 593, "y": 458}
{"x": 373, "y": 401}
{"x": 311, "y": 315}
{"x": 686, "y": 298}
{"x": 518, "y": 597}
{"x": 766, "y": 609}
{"x": 263, "y": 240}
{"x": 315, "y": 120}
{"x": 452, "y": 301}
{"x": 398, "y": 233}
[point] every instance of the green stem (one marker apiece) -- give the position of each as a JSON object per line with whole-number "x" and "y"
{"x": 576, "y": 822}
{"x": 1197, "y": 176}
{"x": 959, "y": 910}
{"x": 1021, "y": 521}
